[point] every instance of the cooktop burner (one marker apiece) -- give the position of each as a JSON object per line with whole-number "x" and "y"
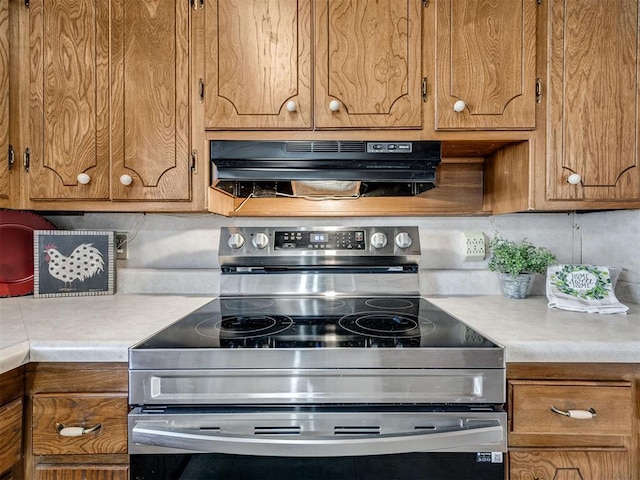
{"x": 317, "y": 322}
{"x": 244, "y": 326}
{"x": 386, "y": 324}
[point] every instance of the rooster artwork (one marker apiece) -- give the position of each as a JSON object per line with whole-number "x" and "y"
{"x": 70, "y": 263}
{"x": 84, "y": 262}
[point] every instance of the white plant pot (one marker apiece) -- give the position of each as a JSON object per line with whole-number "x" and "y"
{"x": 516, "y": 286}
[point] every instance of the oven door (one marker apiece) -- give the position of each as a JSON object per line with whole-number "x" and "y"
{"x": 318, "y": 443}
{"x": 405, "y": 466}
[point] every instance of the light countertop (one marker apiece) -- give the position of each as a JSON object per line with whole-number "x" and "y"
{"x": 102, "y": 328}
{"x": 83, "y": 329}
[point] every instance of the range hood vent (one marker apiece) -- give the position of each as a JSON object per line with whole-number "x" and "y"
{"x": 286, "y": 161}
{"x": 326, "y": 146}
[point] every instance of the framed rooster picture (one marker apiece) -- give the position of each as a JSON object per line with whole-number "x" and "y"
{"x": 72, "y": 263}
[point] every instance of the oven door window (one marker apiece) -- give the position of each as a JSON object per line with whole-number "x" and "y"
{"x": 405, "y": 466}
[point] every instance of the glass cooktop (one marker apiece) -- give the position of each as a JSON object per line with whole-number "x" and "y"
{"x": 315, "y": 323}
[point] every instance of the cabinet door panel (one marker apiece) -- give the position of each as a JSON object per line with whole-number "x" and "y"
{"x": 569, "y": 465}
{"x": 150, "y": 100}
{"x": 69, "y": 119}
{"x": 594, "y": 85}
{"x": 257, "y": 60}
{"x": 368, "y": 58}
{"x": 10, "y": 434}
{"x": 4, "y": 101}
{"x": 86, "y": 411}
{"x": 486, "y": 57}
{"x": 532, "y": 404}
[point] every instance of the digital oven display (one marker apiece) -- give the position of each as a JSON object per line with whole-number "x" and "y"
{"x": 341, "y": 240}
{"x": 316, "y": 237}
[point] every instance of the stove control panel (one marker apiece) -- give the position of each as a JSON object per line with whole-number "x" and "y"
{"x": 320, "y": 240}
{"x": 266, "y": 246}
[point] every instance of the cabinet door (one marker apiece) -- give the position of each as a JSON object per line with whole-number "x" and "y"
{"x": 368, "y": 64}
{"x": 4, "y": 102}
{"x": 150, "y": 100}
{"x": 82, "y": 472}
{"x": 258, "y": 64}
{"x": 486, "y": 64}
{"x": 69, "y": 111}
{"x": 593, "y": 92}
{"x": 10, "y": 434}
{"x": 574, "y": 465}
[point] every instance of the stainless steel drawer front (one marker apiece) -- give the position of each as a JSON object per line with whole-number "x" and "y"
{"x": 316, "y": 433}
{"x": 309, "y": 386}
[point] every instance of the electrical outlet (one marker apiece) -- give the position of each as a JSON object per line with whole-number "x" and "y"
{"x": 474, "y": 246}
{"x": 122, "y": 245}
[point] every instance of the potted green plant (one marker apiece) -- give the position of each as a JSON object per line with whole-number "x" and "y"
{"x": 517, "y": 263}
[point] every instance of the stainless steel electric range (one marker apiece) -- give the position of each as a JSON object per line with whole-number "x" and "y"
{"x": 319, "y": 360}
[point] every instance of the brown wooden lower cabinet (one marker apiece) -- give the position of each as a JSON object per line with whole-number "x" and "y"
{"x": 90, "y": 396}
{"x": 11, "y": 423}
{"x": 80, "y": 472}
{"x": 545, "y": 444}
{"x": 10, "y": 434}
{"x": 579, "y": 465}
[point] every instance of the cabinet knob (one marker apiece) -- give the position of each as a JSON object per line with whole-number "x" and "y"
{"x": 126, "y": 180}
{"x": 334, "y": 105}
{"x": 574, "y": 179}
{"x": 291, "y": 106}
{"x": 83, "y": 179}
{"x": 459, "y": 106}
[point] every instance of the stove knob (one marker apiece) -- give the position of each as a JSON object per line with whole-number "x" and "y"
{"x": 378, "y": 240}
{"x": 235, "y": 241}
{"x": 260, "y": 240}
{"x": 403, "y": 240}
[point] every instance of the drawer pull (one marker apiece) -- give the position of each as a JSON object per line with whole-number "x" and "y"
{"x": 580, "y": 414}
{"x": 76, "y": 431}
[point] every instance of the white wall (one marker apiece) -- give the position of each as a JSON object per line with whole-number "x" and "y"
{"x": 178, "y": 253}
{"x": 613, "y": 238}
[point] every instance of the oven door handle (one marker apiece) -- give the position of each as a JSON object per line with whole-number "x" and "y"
{"x": 190, "y": 440}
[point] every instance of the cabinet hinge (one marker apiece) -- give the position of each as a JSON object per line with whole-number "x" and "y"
{"x": 538, "y": 90}
{"x": 26, "y": 160}
{"x": 11, "y": 157}
{"x": 424, "y": 89}
{"x": 194, "y": 161}
{"x": 201, "y": 90}
{"x": 196, "y": 4}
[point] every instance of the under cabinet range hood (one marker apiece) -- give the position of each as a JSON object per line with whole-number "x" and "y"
{"x": 321, "y": 167}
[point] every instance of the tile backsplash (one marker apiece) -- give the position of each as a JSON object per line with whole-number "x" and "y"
{"x": 177, "y": 253}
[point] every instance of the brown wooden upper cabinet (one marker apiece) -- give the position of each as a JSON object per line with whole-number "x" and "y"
{"x": 5, "y": 184}
{"x": 592, "y": 114}
{"x": 109, "y": 100}
{"x": 321, "y": 64}
{"x": 486, "y": 64}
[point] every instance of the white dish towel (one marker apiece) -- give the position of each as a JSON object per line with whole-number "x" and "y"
{"x": 582, "y": 288}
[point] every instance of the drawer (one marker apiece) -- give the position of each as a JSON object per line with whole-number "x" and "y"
{"x": 589, "y": 465}
{"x": 532, "y": 402}
{"x": 52, "y": 411}
{"x": 10, "y": 434}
